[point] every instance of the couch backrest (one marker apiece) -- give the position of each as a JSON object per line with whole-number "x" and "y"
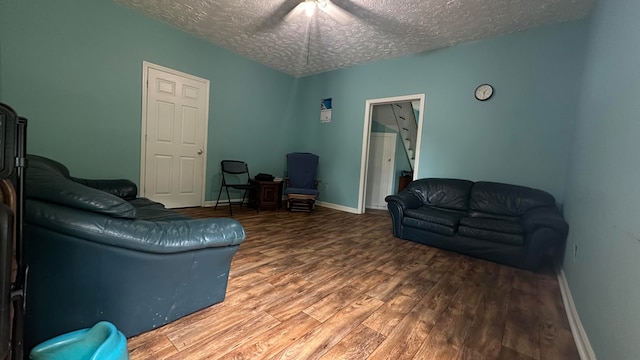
{"x": 48, "y": 180}
{"x": 507, "y": 199}
{"x": 444, "y": 193}
{"x": 41, "y": 162}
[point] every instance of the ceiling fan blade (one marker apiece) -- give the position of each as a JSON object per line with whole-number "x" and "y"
{"x": 296, "y": 11}
{"x": 276, "y": 16}
{"x": 338, "y": 14}
{"x": 377, "y": 20}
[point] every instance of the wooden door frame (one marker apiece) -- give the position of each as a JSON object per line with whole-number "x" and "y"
{"x": 368, "y": 113}
{"x": 143, "y": 133}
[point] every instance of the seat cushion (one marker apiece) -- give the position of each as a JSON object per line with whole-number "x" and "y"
{"x": 497, "y": 225}
{"x": 154, "y": 211}
{"x": 302, "y": 191}
{"x": 142, "y": 202}
{"x": 433, "y": 215}
{"x": 480, "y": 214}
{"x": 493, "y": 236}
{"x": 429, "y": 226}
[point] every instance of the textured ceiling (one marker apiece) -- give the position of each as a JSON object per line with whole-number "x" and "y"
{"x": 378, "y": 29}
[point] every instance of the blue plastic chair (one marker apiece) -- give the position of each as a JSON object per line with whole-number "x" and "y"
{"x": 101, "y": 342}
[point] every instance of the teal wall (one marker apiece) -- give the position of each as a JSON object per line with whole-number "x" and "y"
{"x": 603, "y": 188}
{"x": 74, "y": 69}
{"x": 520, "y": 136}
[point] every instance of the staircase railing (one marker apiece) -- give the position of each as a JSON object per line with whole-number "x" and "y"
{"x": 407, "y": 128}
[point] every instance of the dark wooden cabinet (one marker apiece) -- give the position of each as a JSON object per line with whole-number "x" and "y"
{"x": 403, "y": 182}
{"x": 266, "y": 195}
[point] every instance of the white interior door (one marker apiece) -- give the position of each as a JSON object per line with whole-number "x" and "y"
{"x": 382, "y": 152}
{"x": 175, "y": 113}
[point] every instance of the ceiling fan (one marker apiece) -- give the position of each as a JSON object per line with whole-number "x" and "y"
{"x": 309, "y": 7}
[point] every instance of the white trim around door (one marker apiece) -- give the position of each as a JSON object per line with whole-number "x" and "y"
{"x": 366, "y": 132}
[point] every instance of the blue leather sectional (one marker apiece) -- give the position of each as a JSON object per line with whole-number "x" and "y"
{"x": 96, "y": 251}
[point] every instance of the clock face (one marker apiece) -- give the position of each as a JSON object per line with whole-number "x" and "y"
{"x": 484, "y": 92}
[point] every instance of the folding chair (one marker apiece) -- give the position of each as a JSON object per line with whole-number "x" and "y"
{"x": 235, "y": 175}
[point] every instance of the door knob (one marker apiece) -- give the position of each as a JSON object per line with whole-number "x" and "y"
{"x": 199, "y": 151}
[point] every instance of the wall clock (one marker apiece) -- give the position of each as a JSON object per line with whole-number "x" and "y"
{"x": 484, "y": 92}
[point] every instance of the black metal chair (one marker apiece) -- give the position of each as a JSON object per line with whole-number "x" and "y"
{"x": 235, "y": 175}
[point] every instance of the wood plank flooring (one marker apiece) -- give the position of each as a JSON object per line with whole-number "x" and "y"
{"x": 334, "y": 285}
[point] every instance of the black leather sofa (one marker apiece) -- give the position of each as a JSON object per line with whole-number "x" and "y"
{"x": 508, "y": 224}
{"x": 96, "y": 251}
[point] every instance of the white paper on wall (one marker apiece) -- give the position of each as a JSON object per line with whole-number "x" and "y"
{"x": 325, "y": 110}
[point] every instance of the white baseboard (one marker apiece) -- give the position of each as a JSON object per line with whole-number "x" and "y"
{"x": 319, "y": 203}
{"x": 337, "y": 207}
{"x": 212, "y": 203}
{"x": 579, "y": 335}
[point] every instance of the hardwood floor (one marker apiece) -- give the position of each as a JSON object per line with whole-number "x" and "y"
{"x": 334, "y": 285}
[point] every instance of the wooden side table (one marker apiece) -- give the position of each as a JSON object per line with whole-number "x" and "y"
{"x": 266, "y": 195}
{"x": 403, "y": 182}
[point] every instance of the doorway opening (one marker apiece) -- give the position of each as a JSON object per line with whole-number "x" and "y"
{"x": 376, "y": 176}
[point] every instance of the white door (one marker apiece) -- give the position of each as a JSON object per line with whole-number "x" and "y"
{"x": 174, "y": 130}
{"x": 382, "y": 152}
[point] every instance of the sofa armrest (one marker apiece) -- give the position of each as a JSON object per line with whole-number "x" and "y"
{"x": 169, "y": 236}
{"x": 546, "y": 232}
{"x": 541, "y": 244}
{"x": 549, "y": 217}
{"x": 397, "y": 204}
{"x": 122, "y": 188}
{"x": 405, "y": 200}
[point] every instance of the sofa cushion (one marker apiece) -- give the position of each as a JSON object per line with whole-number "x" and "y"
{"x": 154, "y": 211}
{"x": 151, "y": 214}
{"x": 429, "y": 226}
{"x": 507, "y": 199}
{"x": 481, "y": 214}
{"x": 301, "y": 191}
{"x": 492, "y": 224}
{"x": 427, "y": 213}
{"x": 41, "y": 162}
{"x": 494, "y": 236}
{"x": 444, "y": 193}
{"x": 55, "y": 188}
